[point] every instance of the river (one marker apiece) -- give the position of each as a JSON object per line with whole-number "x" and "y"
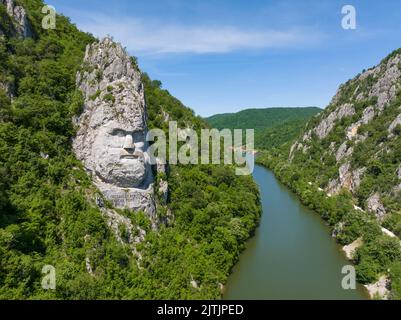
{"x": 292, "y": 255}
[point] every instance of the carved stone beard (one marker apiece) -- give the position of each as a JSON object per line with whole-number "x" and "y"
{"x": 115, "y": 153}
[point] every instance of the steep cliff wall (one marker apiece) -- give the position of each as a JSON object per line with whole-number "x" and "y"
{"x": 20, "y": 25}
{"x": 112, "y": 128}
{"x": 358, "y": 134}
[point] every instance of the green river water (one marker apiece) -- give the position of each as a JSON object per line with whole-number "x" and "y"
{"x": 292, "y": 255}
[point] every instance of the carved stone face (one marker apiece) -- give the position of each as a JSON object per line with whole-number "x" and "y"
{"x": 119, "y": 153}
{"x": 111, "y": 137}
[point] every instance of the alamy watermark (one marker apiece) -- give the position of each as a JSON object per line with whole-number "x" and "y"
{"x": 49, "y": 20}
{"x": 49, "y": 278}
{"x": 349, "y": 280}
{"x": 349, "y": 20}
{"x": 213, "y": 147}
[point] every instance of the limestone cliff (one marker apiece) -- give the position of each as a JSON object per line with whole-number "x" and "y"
{"x": 111, "y": 139}
{"x": 15, "y": 24}
{"x": 356, "y": 134}
{"x": 19, "y": 19}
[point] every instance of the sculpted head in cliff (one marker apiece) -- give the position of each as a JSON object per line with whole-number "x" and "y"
{"x": 112, "y": 128}
{"x": 111, "y": 138}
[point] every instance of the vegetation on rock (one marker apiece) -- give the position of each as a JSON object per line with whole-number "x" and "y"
{"x": 273, "y": 126}
{"x": 46, "y": 213}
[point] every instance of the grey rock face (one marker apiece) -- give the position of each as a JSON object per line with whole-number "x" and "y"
{"x": 371, "y": 72}
{"x": 162, "y": 168}
{"x": 347, "y": 179}
{"x": 385, "y": 89}
{"x": 367, "y": 116}
{"x": 327, "y": 124}
{"x": 111, "y": 138}
{"x": 117, "y": 223}
{"x": 18, "y": 14}
{"x": 386, "y": 82}
{"x": 163, "y": 190}
{"x": 324, "y": 127}
{"x": 399, "y": 172}
{"x": 374, "y": 205}
{"x": 343, "y": 151}
{"x": 8, "y": 88}
{"x": 394, "y": 124}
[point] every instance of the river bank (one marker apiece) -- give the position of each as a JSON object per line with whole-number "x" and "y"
{"x": 292, "y": 255}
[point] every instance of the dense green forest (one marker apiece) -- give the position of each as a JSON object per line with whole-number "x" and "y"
{"x": 273, "y": 126}
{"x": 312, "y": 163}
{"x": 46, "y": 213}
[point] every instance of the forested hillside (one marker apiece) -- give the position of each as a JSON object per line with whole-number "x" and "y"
{"x": 273, "y": 126}
{"x": 346, "y": 165}
{"x": 48, "y": 214}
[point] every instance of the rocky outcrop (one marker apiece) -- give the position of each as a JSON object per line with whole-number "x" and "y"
{"x": 19, "y": 17}
{"x": 8, "y": 88}
{"x": 386, "y": 82}
{"x": 323, "y": 129}
{"x": 327, "y": 124}
{"x": 394, "y": 124}
{"x": 376, "y": 88}
{"x": 162, "y": 170}
{"x": 343, "y": 151}
{"x": 123, "y": 229}
{"x": 350, "y": 249}
{"x": 380, "y": 289}
{"x": 347, "y": 179}
{"x": 111, "y": 138}
{"x": 385, "y": 88}
{"x": 375, "y": 206}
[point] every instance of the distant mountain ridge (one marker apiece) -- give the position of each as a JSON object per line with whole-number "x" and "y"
{"x": 273, "y": 126}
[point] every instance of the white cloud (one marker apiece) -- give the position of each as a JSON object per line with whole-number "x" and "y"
{"x": 145, "y": 37}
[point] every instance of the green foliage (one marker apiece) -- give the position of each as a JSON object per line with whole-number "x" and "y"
{"x": 395, "y": 276}
{"x": 6, "y": 25}
{"x": 99, "y": 75}
{"x": 47, "y": 217}
{"x": 109, "y": 97}
{"x": 215, "y": 212}
{"x": 95, "y": 95}
{"x": 393, "y": 223}
{"x": 313, "y": 165}
{"x": 280, "y": 134}
{"x": 273, "y": 126}
{"x": 375, "y": 256}
{"x": 162, "y": 106}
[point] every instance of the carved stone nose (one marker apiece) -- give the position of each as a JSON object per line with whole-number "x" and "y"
{"x": 128, "y": 143}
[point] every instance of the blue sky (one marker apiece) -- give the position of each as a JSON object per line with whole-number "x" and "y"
{"x": 227, "y": 55}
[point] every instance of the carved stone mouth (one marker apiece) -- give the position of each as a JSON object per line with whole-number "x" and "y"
{"x": 129, "y": 156}
{"x": 135, "y": 155}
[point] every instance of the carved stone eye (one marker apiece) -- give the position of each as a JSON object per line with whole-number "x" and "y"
{"x": 118, "y": 132}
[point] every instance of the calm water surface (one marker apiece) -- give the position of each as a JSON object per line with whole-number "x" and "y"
{"x": 292, "y": 255}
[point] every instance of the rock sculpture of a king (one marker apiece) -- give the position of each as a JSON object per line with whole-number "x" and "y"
{"x": 111, "y": 138}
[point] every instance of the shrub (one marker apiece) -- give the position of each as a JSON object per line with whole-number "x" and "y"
{"x": 109, "y": 98}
